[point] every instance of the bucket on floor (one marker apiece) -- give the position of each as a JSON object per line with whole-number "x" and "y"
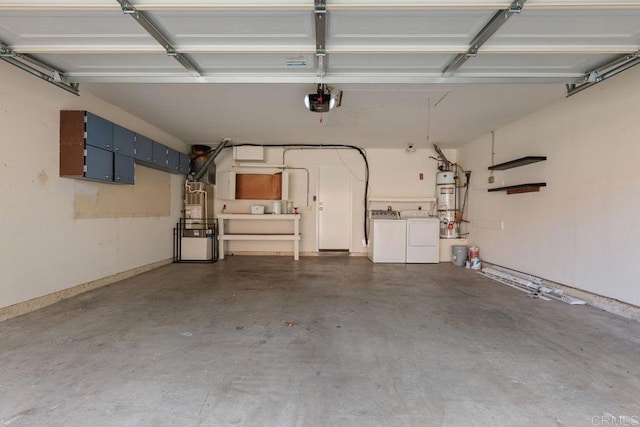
{"x": 459, "y": 255}
{"x": 474, "y": 252}
{"x": 476, "y": 264}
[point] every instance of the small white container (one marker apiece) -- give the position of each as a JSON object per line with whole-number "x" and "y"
{"x": 276, "y": 207}
{"x": 257, "y": 209}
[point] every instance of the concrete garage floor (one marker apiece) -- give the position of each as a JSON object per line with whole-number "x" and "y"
{"x": 428, "y": 345}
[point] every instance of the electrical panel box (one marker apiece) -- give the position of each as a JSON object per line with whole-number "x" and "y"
{"x": 226, "y": 185}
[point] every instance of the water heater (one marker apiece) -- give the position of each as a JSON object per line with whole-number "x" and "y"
{"x": 446, "y": 204}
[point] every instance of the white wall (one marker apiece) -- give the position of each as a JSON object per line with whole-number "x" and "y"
{"x": 582, "y": 230}
{"x": 44, "y": 249}
{"x": 393, "y": 172}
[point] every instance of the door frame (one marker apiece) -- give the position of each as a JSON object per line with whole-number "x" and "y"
{"x": 317, "y": 208}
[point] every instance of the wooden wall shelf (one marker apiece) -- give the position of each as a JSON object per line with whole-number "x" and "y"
{"x": 517, "y": 163}
{"x": 520, "y": 188}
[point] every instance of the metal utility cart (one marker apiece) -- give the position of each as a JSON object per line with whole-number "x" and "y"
{"x": 195, "y": 241}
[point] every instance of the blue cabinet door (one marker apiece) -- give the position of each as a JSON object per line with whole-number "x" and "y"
{"x": 173, "y": 160}
{"x": 185, "y": 161}
{"x": 160, "y": 153}
{"x": 123, "y": 141}
{"x": 98, "y": 164}
{"x": 99, "y": 132}
{"x": 123, "y": 169}
{"x": 144, "y": 150}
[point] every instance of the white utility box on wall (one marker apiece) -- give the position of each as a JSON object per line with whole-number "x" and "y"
{"x": 248, "y": 153}
{"x": 226, "y": 185}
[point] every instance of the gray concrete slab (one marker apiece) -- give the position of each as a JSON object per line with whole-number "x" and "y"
{"x": 325, "y": 341}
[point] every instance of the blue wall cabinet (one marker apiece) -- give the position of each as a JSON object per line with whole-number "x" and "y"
{"x": 87, "y": 148}
{"x": 160, "y": 156}
{"x": 185, "y": 163}
{"x": 123, "y": 141}
{"x": 144, "y": 150}
{"x": 123, "y": 169}
{"x": 98, "y": 164}
{"x": 96, "y": 149}
{"x": 173, "y": 161}
{"x": 151, "y": 153}
{"x": 99, "y": 132}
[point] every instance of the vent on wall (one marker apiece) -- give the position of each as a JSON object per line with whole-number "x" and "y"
{"x": 248, "y": 153}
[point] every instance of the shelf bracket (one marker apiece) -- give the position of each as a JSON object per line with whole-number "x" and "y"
{"x": 37, "y": 68}
{"x": 497, "y": 21}
{"x": 149, "y": 27}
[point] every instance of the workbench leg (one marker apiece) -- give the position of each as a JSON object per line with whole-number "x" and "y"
{"x": 221, "y": 238}
{"x": 296, "y": 243}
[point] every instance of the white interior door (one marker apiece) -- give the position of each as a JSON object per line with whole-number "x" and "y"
{"x": 334, "y": 208}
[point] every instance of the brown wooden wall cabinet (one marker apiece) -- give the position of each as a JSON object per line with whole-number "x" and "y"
{"x": 259, "y": 186}
{"x": 231, "y": 185}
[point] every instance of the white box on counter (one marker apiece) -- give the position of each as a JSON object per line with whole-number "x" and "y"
{"x": 257, "y": 209}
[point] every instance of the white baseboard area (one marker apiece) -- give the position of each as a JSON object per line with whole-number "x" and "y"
{"x": 620, "y": 308}
{"x": 45, "y": 300}
{"x": 610, "y": 305}
{"x": 289, "y": 254}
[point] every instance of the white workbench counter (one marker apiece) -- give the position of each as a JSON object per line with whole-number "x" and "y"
{"x": 223, "y": 236}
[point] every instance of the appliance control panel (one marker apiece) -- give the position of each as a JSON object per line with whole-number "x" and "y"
{"x": 384, "y": 214}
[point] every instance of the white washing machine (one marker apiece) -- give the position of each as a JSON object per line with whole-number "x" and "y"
{"x": 422, "y": 237}
{"x": 388, "y": 238}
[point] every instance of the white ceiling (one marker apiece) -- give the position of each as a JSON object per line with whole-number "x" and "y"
{"x": 258, "y": 60}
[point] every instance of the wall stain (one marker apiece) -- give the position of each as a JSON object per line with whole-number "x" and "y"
{"x": 149, "y": 197}
{"x": 43, "y": 178}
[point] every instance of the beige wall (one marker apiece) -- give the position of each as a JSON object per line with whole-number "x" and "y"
{"x": 58, "y": 232}
{"x": 581, "y": 230}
